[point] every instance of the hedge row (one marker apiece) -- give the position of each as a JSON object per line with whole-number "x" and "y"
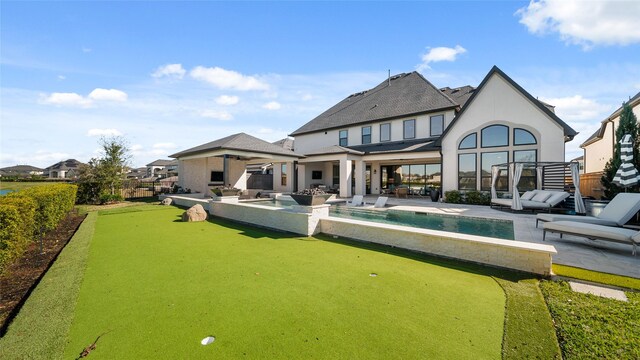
{"x": 31, "y": 212}
{"x": 472, "y": 197}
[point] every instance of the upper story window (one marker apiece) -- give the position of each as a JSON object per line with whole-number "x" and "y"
{"x": 495, "y": 135}
{"x": 469, "y": 142}
{"x": 366, "y": 135}
{"x": 437, "y": 125}
{"x": 409, "y": 127}
{"x": 385, "y": 132}
{"x": 343, "y": 135}
{"x": 523, "y": 137}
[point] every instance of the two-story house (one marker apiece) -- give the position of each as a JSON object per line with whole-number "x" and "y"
{"x": 407, "y": 132}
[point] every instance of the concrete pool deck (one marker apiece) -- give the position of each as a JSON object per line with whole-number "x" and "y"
{"x": 573, "y": 251}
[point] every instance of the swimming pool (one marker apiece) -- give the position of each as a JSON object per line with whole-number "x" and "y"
{"x": 5, "y": 192}
{"x": 502, "y": 229}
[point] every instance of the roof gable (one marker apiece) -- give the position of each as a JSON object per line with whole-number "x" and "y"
{"x": 401, "y": 95}
{"x": 495, "y": 71}
{"x": 598, "y": 134}
{"x": 241, "y": 142}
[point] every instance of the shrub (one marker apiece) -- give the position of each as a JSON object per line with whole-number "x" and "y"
{"x": 17, "y": 227}
{"x": 475, "y": 197}
{"x": 109, "y": 199}
{"x": 453, "y": 196}
{"x": 53, "y": 203}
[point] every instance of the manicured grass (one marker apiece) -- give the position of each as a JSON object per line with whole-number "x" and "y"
{"x": 592, "y": 327}
{"x": 19, "y": 185}
{"x": 155, "y": 287}
{"x": 40, "y": 329}
{"x": 598, "y": 277}
{"x": 529, "y": 331}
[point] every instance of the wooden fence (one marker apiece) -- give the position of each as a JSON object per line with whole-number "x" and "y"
{"x": 590, "y": 185}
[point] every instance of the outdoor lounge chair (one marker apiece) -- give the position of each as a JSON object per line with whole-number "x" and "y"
{"x": 593, "y": 232}
{"x": 617, "y": 213}
{"x": 356, "y": 201}
{"x": 535, "y": 200}
{"x": 380, "y": 203}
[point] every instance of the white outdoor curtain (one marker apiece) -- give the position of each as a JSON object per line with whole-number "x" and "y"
{"x": 539, "y": 177}
{"x": 516, "y": 170}
{"x": 575, "y": 176}
{"x": 494, "y": 178}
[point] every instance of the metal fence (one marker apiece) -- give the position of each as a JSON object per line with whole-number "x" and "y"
{"x": 136, "y": 189}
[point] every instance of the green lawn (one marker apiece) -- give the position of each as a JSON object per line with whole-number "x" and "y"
{"x": 19, "y": 185}
{"x": 157, "y": 286}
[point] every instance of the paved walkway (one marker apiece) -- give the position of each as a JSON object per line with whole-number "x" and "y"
{"x": 574, "y": 251}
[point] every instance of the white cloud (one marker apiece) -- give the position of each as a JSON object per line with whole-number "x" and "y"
{"x": 61, "y": 77}
{"x": 103, "y": 132}
{"x": 170, "y": 70}
{"x": 585, "y": 23}
{"x": 65, "y": 99}
{"x": 440, "y": 54}
{"x": 578, "y": 109}
{"x": 227, "y": 100}
{"x": 108, "y": 95}
{"x": 167, "y": 145}
{"x": 136, "y": 147}
{"x": 216, "y": 114}
{"x": 272, "y": 105}
{"x": 227, "y": 79}
{"x": 86, "y": 50}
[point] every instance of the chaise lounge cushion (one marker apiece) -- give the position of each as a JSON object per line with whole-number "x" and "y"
{"x": 577, "y": 218}
{"x": 617, "y": 213}
{"x": 528, "y": 195}
{"x": 541, "y": 196}
{"x": 594, "y": 231}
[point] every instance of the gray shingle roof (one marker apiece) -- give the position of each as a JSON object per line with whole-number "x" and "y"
{"x": 414, "y": 145}
{"x": 403, "y": 95}
{"x": 333, "y": 149}
{"x": 68, "y": 164}
{"x": 286, "y": 143}
{"x": 240, "y": 141}
{"x": 160, "y": 162}
{"x": 460, "y": 94}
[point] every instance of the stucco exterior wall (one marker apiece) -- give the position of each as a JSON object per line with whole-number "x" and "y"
{"x": 309, "y": 142}
{"x": 196, "y": 173}
{"x": 598, "y": 153}
{"x": 499, "y": 103}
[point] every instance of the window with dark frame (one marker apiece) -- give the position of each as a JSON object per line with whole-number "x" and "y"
{"x": 217, "y": 177}
{"x": 487, "y": 160}
{"x": 343, "y": 138}
{"x": 467, "y": 172}
{"x": 469, "y": 142}
{"x": 409, "y": 129}
{"x": 366, "y": 135}
{"x": 495, "y": 136}
{"x": 283, "y": 174}
{"x": 436, "y": 125}
{"x": 523, "y": 137}
{"x": 529, "y": 176}
{"x": 385, "y": 132}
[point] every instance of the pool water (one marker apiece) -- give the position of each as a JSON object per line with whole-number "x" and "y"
{"x": 4, "y": 191}
{"x": 502, "y": 229}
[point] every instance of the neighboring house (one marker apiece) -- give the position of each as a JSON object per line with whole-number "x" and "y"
{"x": 137, "y": 173}
{"x": 224, "y": 162}
{"x": 407, "y": 132}
{"x": 162, "y": 168}
{"x": 21, "y": 171}
{"x": 67, "y": 169}
{"x": 598, "y": 148}
{"x": 580, "y": 161}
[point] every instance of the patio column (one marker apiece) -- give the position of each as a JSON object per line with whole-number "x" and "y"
{"x": 360, "y": 177}
{"x": 345, "y": 177}
{"x": 375, "y": 178}
{"x": 302, "y": 181}
{"x": 225, "y": 170}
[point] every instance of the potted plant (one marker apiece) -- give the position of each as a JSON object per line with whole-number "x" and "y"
{"x": 310, "y": 197}
{"x": 434, "y": 194}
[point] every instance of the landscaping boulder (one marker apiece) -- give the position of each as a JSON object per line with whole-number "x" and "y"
{"x": 195, "y": 213}
{"x": 166, "y": 201}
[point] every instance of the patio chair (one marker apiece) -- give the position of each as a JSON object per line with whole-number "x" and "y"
{"x": 380, "y": 203}
{"x": 617, "y": 213}
{"x": 358, "y": 200}
{"x": 593, "y": 232}
{"x": 402, "y": 192}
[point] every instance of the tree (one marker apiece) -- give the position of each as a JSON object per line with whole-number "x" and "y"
{"x": 628, "y": 125}
{"x": 101, "y": 179}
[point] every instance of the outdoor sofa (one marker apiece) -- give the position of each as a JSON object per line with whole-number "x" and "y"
{"x": 535, "y": 200}
{"x": 593, "y": 232}
{"x": 617, "y": 213}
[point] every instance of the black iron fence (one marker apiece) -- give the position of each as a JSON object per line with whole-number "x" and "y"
{"x": 136, "y": 189}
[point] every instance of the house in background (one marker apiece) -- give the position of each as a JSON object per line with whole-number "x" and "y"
{"x": 21, "y": 171}
{"x": 162, "y": 168}
{"x": 598, "y": 148}
{"x": 67, "y": 169}
{"x": 137, "y": 173}
{"x": 406, "y": 132}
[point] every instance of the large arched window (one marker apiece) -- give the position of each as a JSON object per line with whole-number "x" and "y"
{"x": 523, "y": 137}
{"x": 494, "y": 136}
{"x": 469, "y": 142}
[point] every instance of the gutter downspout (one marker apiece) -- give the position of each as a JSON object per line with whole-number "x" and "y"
{"x": 441, "y": 173}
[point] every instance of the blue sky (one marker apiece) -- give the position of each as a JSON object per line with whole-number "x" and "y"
{"x": 172, "y": 75}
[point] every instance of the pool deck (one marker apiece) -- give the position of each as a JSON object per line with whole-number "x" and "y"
{"x": 573, "y": 251}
